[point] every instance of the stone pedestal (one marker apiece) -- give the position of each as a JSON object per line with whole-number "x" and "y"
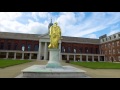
{"x": 40, "y": 71}
{"x": 54, "y": 59}
{"x": 53, "y": 69}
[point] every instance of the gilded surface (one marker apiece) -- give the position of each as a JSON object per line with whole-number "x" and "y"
{"x": 55, "y": 36}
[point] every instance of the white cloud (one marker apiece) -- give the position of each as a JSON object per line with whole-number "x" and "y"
{"x": 37, "y": 15}
{"x": 9, "y": 15}
{"x": 113, "y": 32}
{"x": 36, "y": 27}
{"x": 10, "y": 24}
{"x": 96, "y": 22}
{"x": 72, "y": 24}
{"x": 92, "y": 36}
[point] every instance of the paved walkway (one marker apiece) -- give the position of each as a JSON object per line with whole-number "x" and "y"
{"x": 13, "y": 71}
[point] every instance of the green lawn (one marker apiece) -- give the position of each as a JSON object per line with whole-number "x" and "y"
{"x": 98, "y": 65}
{"x": 8, "y": 62}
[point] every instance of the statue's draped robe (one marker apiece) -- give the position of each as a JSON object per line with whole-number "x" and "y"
{"x": 55, "y": 35}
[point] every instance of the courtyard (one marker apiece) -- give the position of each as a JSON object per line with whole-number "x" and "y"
{"x": 14, "y": 71}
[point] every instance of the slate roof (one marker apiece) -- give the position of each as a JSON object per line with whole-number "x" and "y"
{"x": 9, "y": 35}
{"x": 80, "y": 40}
{"x": 24, "y": 36}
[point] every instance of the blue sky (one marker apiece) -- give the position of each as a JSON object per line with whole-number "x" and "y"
{"x": 75, "y": 24}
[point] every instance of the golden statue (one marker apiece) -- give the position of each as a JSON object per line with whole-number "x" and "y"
{"x": 55, "y": 36}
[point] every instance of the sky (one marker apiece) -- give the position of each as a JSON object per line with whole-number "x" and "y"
{"x": 74, "y": 24}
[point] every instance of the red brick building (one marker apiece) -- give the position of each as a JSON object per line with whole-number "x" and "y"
{"x": 110, "y": 47}
{"x": 35, "y": 46}
{"x": 71, "y": 47}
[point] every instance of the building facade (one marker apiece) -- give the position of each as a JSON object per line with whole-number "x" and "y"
{"x": 35, "y": 47}
{"x": 110, "y": 47}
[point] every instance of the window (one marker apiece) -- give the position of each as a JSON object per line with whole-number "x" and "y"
{"x": 114, "y": 36}
{"x": 91, "y": 49}
{"x": 110, "y": 38}
{"x": 97, "y": 51}
{"x": 102, "y": 46}
{"x": 105, "y": 52}
{"x": 63, "y": 49}
{"x": 106, "y": 39}
{"x": 113, "y": 44}
{"x": 118, "y": 50}
{"x": 80, "y": 50}
{"x": 119, "y": 58}
{"x": 15, "y": 46}
{"x": 117, "y": 43}
{"x": 23, "y": 47}
{"x": 74, "y": 50}
{"x": 29, "y": 47}
{"x": 1, "y": 46}
{"x": 119, "y": 35}
{"x": 86, "y": 50}
{"x": 103, "y": 39}
{"x": 113, "y": 51}
{"x": 9, "y": 46}
{"x": 36, "y": 48}
{"x": 105, "y": 45}
{"x": 69, "y": 49}
{"x": 109, "y": 51}
{"x": 109, "y": 45}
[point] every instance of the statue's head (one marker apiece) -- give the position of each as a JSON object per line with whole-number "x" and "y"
{"x": 55, "y": 24}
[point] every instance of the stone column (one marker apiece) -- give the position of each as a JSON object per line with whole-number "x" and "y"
{"x": 7, "y": 55}
{"x": 67, "y": 57}
{"x": 39, "y": 52}
{"x": 98, "y": 58}
{"x": 22, "y": 55}
{"x": 15, "y": 55}
{"x": 45, "y": 51}
{"x": 92, "y": 58}
{"x": 74, "y": 58}
{"x": 60, "y": 52}
{"x": 81, "y": 58}
{"x": 86, "y": 58}
{"x": 30, "y": 56}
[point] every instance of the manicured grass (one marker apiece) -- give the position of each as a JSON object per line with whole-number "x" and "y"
{"x": 98, "y": 65}
{"x": 8, "y": 62}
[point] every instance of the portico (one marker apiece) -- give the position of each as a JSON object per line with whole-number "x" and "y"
{"x": 43, "y": 53}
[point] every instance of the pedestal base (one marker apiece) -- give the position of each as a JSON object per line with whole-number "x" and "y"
{"x": 40, "y": 71}
{"x": 54, "y": 59}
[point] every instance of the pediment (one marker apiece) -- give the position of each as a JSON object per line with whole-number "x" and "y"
{"x": 45, "y": 36}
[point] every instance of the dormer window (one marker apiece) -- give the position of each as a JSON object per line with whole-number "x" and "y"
{"x": 106, "y": 39}
{"x": 119, "y": 35}
{"x": 103, "y": 40}
{"x": 110, "y": 38}
{"x": 114, "y": 36}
